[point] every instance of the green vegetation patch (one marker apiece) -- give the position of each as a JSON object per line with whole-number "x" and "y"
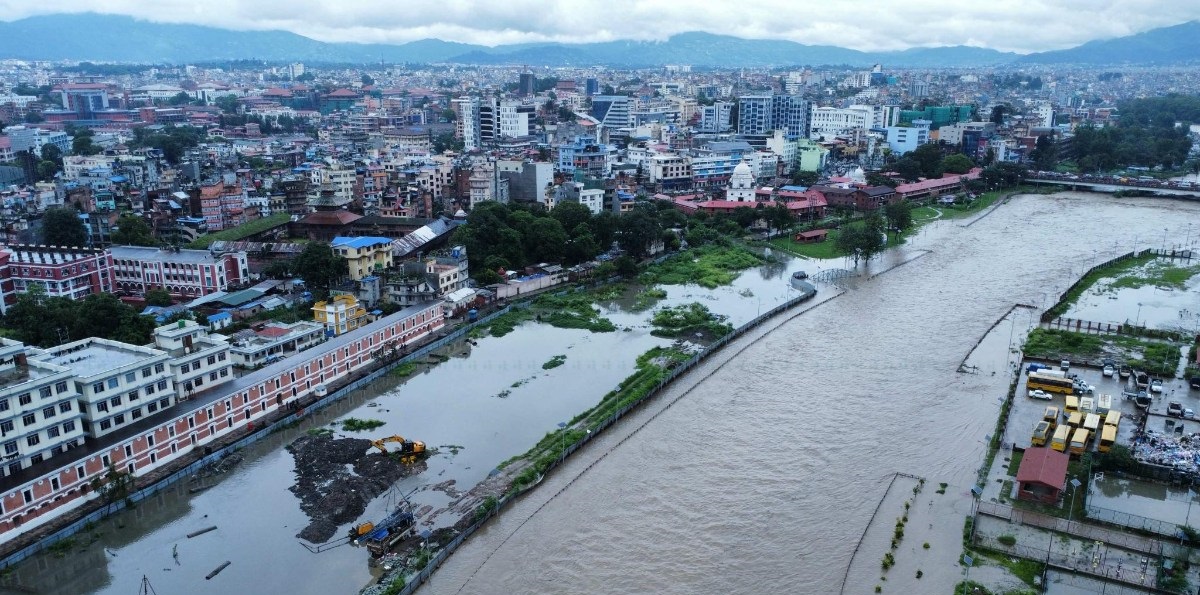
{"x": 646, "y": 298}
{"x": 242, "y": 231}
{"x": 353, "y": 424}
{"x": 710, "y": 267}
{"x": 686, "y": 320}
{"x": 505, "y": 323}
{"x": 1051, "y": 343}
{"x": 404, "y": 370}
{"x": 1015, "y": 462}
{"x": 1159, "y": 274}
{"x": 555, "y": 362}
{"x": 572, "y": 311}
{"x": 825, "y": 249}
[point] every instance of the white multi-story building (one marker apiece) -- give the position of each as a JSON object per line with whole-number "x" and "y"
{"x": 827, "y": 123}
{"x": 342, "y": 181}
{"x": 39, "y": 416}
{"x": 905, "y": 139}
{"x": 741, "y": 184}
{"x": 612, "y": 111}
{"x": 198, "y": 361}
{"x": 252, "y": 349}
{"x": 715, "y": 118}
{"x": 117, "y": 383}
{"x": 466, "y": 126}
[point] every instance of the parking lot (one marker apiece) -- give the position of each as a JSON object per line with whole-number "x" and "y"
{"x": 1026, "y": 412}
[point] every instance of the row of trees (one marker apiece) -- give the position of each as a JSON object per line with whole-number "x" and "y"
{"x": 37, "y": 319}
{"x": 1147, "y": 135}
{"x": 317, "y": 264}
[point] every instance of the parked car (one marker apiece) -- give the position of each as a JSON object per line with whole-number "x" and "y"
{"x": 1124, "y": 371}
{"x": 1156, "y": 385}
{"x": 1034, "y": 367}
{"x": 1174, "y": 408}
{"x": 1189, "y": 414}
{"x": 1084, "y": 388}
{"x": 1040, "y": 394}
{"x": 1109, "y": 371}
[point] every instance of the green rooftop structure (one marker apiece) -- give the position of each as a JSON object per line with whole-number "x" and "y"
{"x": 939, "y": 115}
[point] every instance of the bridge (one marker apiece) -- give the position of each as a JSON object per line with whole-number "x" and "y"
{"x": 1110, "y": 185}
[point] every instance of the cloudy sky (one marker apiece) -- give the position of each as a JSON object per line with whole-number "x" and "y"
{"x": 870, "y": 25}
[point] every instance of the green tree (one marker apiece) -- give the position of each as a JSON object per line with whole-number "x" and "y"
{"x": 566, "y": 114}
{"x": 180, "y": 98}
{"x": 638, "y": 231}
{"x": 81, "y": 143}
{"x": 1044, "y": 154}
{"x": 227, "y": 103}
{"x": 745, "y": 216}
{"x": 133, "y": 231}
{"x": 106, "y": 316}
{"x": 929, "y": 156}
{"x": 545, "y": 241}
{"x": 626, "y": 267}
{"x": 367, "y": 80}
{"x": 957, "y": 164}
{"x": 571, "y": 214}
{"x": 898, "y": 215}
{"x": 863, "y": 240}
{"x": 805, "y": 178}
{"x": 582, "y": 246}
{"x": 778, "y": 217}
{"x": 447, "y": 142}
{"x": 279, "y": 269}
{"x": 61, "y": 226}
{"x": 908, "y": 168}
{"x": 158, "y": 297}
{"x": 320, "y": 268}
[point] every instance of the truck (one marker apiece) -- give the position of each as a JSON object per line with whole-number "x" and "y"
{"x": 1104, "y": 404}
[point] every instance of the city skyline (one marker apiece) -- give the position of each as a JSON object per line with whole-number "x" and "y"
{"x": 1004, "y": 26}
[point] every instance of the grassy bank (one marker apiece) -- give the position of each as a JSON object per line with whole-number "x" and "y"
{"x": 1115, "y": 270}
{"x": 1159, "y": 274}
{"x": 686, "y": 320}
{"x": 1155, "y": 357}
{"x": 240, "y": 232}
{"x": 709, "y": 267}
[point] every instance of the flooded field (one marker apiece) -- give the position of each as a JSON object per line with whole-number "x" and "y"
{"x": 1153, "y": 305}
{"x": 765, "y": 475}
{"x": 486, "y": 403}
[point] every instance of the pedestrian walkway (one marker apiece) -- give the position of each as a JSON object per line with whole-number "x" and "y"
{"x": 1086, "y": 531}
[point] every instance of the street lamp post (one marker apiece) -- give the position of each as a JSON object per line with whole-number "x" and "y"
{"x": 1164, "y": 244}
{"x": 1139, "y": 314}
{"x": 1075, "y": 483}
{"x": 562, "y": 426}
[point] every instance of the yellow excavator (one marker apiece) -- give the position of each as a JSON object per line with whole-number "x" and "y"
{"x": 409, "y": 451}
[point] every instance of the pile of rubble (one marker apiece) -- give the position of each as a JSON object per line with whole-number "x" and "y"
{"x": 337, "y": 477}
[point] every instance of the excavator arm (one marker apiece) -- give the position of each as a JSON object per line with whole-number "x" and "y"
{"x": 408, "y": 448}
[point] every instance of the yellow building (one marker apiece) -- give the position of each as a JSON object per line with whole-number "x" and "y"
{"x": 340, "y": 314}
{"x": 365, "y": 256}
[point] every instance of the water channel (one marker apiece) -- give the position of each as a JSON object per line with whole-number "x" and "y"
{"x": 763, "y": 477}
{"x": 469, "y": 401}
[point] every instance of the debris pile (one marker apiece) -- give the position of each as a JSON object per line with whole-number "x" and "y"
{"x": 337, "y": 477}
{"x": 1178, "y": 451}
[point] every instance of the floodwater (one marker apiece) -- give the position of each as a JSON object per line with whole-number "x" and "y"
{"x": 1149, "y": 305}
{"x": 1160, "y": 502}
{"x": 469, "y": 402}
{"x": 763, "y": 475}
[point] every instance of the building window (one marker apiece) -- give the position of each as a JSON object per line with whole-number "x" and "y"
{"x": 112, "y": 382}
{"x": 29, "y": 419}
{"x": 212, "y": 359}
{"x": 46, "y": 392}
{"x": 149, "y": 389}
{"x": 52, "y": 432}
{"x": 10, "y": 447}
{"x": 60, "y": 387}
{"x": 69, "y": 427}
{"x": 165, "y": 403}
{"x": 221, "y": 356}
{"x": 152, "y": 407}
{"x": 101, "y": 406}
{"x": 130, "y": 376}
{"x": 6, "y": 426}
{"x": 33, "y": 440}
{"x": 98, "y": 387}
{"x": 159, "y": 368}
{"x": 145, "y": 372}
{"x": 133, "y": 395}
{"x": 135, "y": 414}
{"x": 162, "y": 385}
{"x": 115, "y": 401}
{"x": 25, "y": 399}
{"x": 119, "y": 418}
{"x": 48, "y": 412}
{"x": 64, "y": 407}
{"x": 3, "y": 404}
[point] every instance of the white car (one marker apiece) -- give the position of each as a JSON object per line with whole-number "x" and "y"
{"x": 1040, "y": 394}
{"x": 1084, "y": 388}
{"x": 1189, "y": 414}
{"x": 1109, "y": 371}
{"x": 1156, "y": 385}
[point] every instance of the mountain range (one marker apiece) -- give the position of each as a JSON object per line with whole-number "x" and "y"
{"x": 108, "y": 38}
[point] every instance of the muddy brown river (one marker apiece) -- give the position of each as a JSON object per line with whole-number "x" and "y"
{"x": 760, "y": 479}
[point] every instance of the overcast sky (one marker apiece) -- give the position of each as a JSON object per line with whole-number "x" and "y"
{"x": 869, "y": 25}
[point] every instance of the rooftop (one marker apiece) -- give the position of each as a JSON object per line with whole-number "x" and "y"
{"x": 360, "y": 242}
{"x": 146, "y": 253}
{"x": 94, "y": 357}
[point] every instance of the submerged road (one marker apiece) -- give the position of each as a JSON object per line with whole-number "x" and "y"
{"x": 763, "y": 477}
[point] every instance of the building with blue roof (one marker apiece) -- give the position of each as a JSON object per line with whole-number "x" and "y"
{"x": 364, "y": 255}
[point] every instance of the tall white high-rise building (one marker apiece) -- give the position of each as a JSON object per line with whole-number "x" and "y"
{"x": 466, "y": 127}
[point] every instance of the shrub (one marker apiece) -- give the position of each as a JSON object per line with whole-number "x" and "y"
{"x": 1008, "y": 540}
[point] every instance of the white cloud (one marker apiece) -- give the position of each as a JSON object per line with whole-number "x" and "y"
{"x": 1012, "y": 25}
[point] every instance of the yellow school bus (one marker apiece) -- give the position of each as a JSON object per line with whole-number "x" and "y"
{"x": 1107, "y": 437}
{"x": 1075, "y": 420}
{"x": 1041, "y": 433}
{"x": 1051, "y": 415}
{"x": 1072, "y": 403}
{"x": 1060, "y": 439}
{"x": 1113, "y": 418}
{"x": 1091, "y": 423}
{"x": 1080, "y": 441}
